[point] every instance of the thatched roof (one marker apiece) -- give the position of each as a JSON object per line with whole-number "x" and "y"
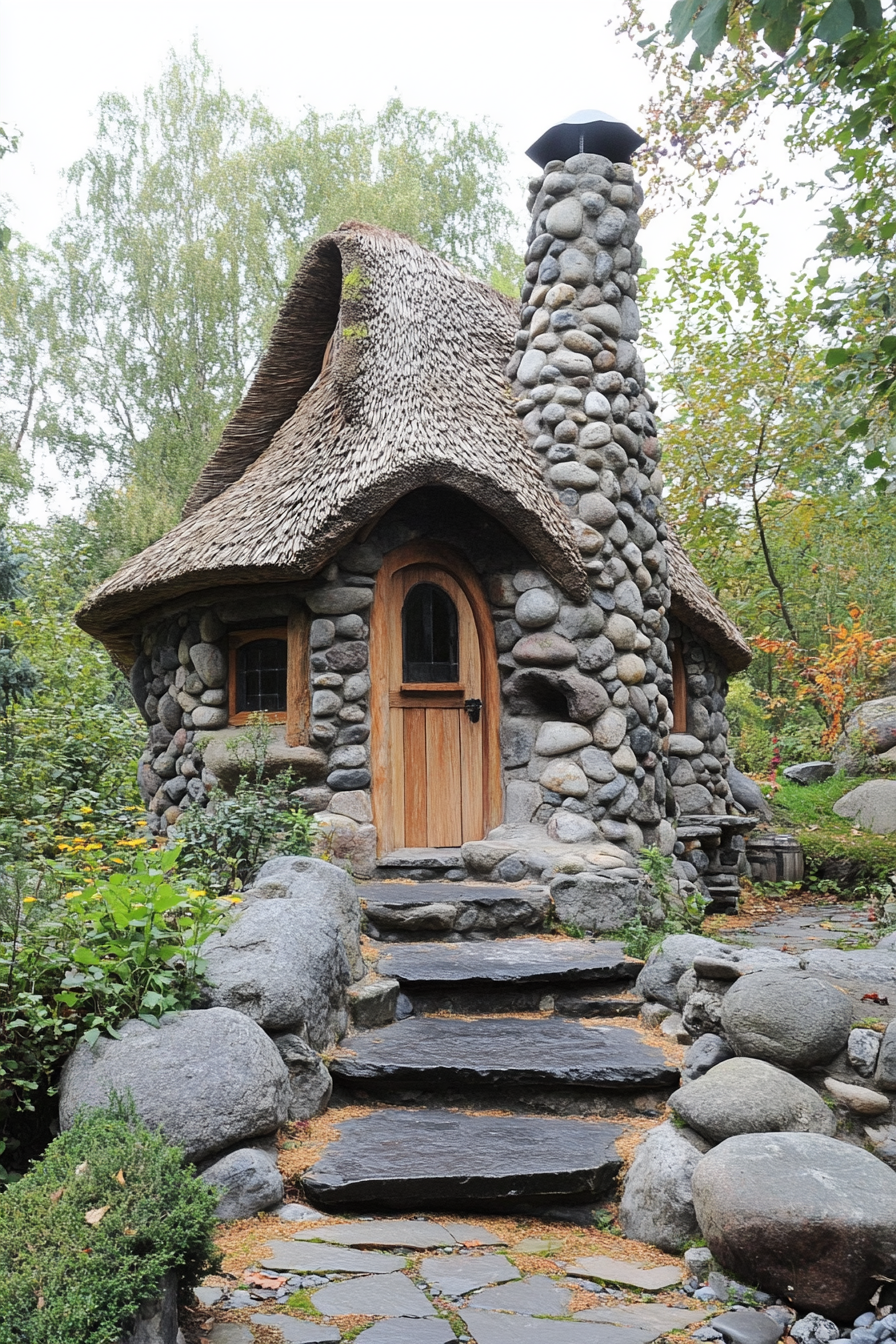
{"x": 384, "y": 373}
{"x": 696, "y": 607}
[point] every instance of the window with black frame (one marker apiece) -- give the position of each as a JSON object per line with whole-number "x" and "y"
{"x": 429, "y": 636}
{"x": 261, "y": 677}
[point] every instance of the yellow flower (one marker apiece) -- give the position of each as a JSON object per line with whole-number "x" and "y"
{"x": 93, "y": 846}
{"x": 191, "y": 891}
{"x": 70, "y": 894}
{"x": 28, "y": 900}
{"x": 235, "y": 900}
{"x": 113, "y": 859}
{"x": 85, "y": 811}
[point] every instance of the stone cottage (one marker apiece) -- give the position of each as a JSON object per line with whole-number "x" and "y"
{"x": 430, "y": 547}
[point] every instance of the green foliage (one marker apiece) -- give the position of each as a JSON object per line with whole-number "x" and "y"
{"x": 62, "y": 1277}
{"x": 135, "y": 940}
{"x": 224, "y": 843}
{"x": 757, "y": 733}
{"x": 685, "y": 908}
{"x": 74, "y": 742}
{"x": 80, "y": 961}
{"x": 806, "y": 810}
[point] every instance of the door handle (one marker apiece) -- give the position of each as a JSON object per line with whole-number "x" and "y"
{"x": 474, "y": 709}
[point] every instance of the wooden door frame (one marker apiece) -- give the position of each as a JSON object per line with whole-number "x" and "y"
{"x": 444, "y": 557}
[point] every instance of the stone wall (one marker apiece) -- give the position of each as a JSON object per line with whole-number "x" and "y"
{"x": 698, "y": 759}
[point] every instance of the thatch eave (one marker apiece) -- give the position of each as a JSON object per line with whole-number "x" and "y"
{"x": 700, "y": 610}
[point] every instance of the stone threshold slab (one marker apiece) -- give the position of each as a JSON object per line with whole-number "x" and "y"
{"x": 446, "y": 1159}
{"x": 434, "y": 1052}
{"x": 389, "y": 894}
{"x": 519, "y": 961}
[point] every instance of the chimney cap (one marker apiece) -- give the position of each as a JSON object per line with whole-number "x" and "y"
{"x": 588, "y": 132}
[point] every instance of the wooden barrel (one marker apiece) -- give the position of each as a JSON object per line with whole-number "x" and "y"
{"x": 775, "y": 858}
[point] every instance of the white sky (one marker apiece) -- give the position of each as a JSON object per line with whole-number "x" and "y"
{"x": 524, "y": 65}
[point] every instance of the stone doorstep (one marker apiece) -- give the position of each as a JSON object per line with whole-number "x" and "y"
{"x": 410, "y": 1159}
{"x": 422, "y": 858}
{"x": 521, "y": 961}
{"x": 436, "y": 1052}
{"x": 402, "y": 894}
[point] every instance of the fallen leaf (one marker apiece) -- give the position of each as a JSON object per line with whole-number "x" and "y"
{"x": 130, "y": 1231}
{"x": 40, "y": 1303}
{"x": 876, "y": 998}
{"x": 471, "y": 1243}
{"x": 94, "y": 1216}
{"x": 120, "y": 1178}
{"x": 83, "y": 1169}
{"x": 57, "y": 1195}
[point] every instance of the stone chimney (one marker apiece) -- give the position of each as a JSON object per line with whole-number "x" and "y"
{"x": 582, "y": 397}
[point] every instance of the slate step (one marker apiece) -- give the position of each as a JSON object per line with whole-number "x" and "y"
{"x": 575, "y": 978}
{"x": 397, "y": 910}
{"x": 521, "y": 961}
{"x": 401, "y": 1159}
{"x": 435, "y": 1053}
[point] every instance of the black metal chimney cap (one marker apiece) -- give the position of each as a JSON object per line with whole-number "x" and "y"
{"x": 587, "y": 132}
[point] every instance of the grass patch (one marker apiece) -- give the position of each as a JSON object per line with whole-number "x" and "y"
{"x": 301, "y": 1301}
{"x": 807, "y": 811}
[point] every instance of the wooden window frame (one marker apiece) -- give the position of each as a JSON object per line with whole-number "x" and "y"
{"x": 679, "y": 692}
{"x": 297, "y": 714}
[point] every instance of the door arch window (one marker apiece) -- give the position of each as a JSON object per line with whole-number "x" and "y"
{"x": 429, "y": 636}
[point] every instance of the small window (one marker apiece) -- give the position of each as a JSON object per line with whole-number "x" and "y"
{"x": 429, "y": 635}
{"x": 258, "y": 674}
{"x": 679, "y": 693}
{"x": 261, "y": 677}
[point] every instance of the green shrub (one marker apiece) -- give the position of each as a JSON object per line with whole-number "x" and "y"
{"x": 81, "y": 961}
{"x": 67, "y": 1280}
{"x": 224, "y": 843}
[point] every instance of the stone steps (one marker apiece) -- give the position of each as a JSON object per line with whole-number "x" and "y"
{"x": 570, "y": 977}
{"x": 434, "y": 1053}
{"x": 432, "y": 1159}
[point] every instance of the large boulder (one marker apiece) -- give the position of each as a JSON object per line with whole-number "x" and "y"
{"x": 208, "y": 1078}
{"x": 872, "y": 726}
{"x": 787, "y": 1017}
{"x": 802, "y": 1216}
{"x": 748, "y": 793}
{"x": 321, "y": 887}
{"x": 872, "y": 806}
{"x": 601, "y": 902}
{"x": 247, "y": 1181}
{"x": 749, "y": 1096}
{"x": 284, "y": 965}
{"x": 657, "y": 1205}
{"x": 809, "y": 772}
{"x": 667, "y": 964}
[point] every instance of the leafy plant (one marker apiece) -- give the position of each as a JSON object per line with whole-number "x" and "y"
{"x": 835, "y": 677}
{"x": 226, "y": 842}
{"x": 685, "y": 907}
{"x": 88, "y": 1234}
{"x": 135, "y": 940}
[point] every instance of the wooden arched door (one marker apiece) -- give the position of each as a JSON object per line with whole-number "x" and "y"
{"x": 435, "y": 702}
